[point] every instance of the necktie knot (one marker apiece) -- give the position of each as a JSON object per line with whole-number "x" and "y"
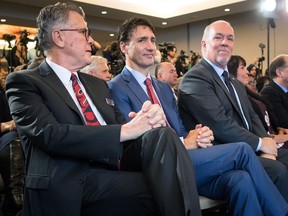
{"x": 73, "y": 77}
{"x": 225, "y": 74}
{"x": 148, "y": 82}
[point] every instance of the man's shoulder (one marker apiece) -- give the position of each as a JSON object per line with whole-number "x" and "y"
{"x": 271, "y": 88}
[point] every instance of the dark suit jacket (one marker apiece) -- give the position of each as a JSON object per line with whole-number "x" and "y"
{"x": 278, "y": 101}
{"x": 129, "y": 96}
{"x": 58, "y": 148}
{"x": 204, "y": 98}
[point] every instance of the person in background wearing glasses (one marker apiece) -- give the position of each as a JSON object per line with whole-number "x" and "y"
{"x": 276, "y": 92}
{"x": 74, "y": 136}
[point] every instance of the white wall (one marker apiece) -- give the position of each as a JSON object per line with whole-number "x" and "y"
{"x": 250, "y": 30}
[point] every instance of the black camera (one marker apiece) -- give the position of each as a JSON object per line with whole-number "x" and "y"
{"x": 24, "y": 39}
{"x": 163, "y": 48}
{"x": 9, "y": 37}
{"x": 261, "y": 59}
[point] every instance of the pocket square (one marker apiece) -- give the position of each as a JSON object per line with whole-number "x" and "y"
{"x": 110, "y": 101}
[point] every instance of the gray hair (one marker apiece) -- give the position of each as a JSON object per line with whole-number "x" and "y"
{"x": 51, "y": 17}
{"x": 96, "y": 60}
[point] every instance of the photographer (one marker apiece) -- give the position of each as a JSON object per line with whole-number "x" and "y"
{"x": 168, "y": 52}
{"x": 180, "y": 64}
{"x": 114, "y": 58}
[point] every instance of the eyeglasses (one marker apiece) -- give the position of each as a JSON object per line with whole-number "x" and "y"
{"x": 85, "y": 31}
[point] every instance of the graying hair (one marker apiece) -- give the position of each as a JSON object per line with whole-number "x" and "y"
{"x": 51, "y": 17}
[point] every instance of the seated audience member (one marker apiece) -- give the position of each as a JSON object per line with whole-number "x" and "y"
{"x": 276, "y": 92}
{"x": 237, "y": 67}
{"x": 98, "y": 68}
{"x": 208, "y": 95}
{"x": 252, "y": 83}
{"x": 166, "y": 72}
{"x": 262, "y": 82}
{"x": 11, "y": 160}
{"x": 78, "y": 147}
{"x": 131, "y": 88}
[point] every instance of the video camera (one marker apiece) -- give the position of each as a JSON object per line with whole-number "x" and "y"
{"x": 24, "y": 39}
{"x": 163, "y": 48}
{"x": 9, "y": 38}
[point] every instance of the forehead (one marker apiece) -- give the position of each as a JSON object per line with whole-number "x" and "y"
{"x": 75, "y": 18}
{"x": 141, "y": 31}
{"x": 222, "y": 28}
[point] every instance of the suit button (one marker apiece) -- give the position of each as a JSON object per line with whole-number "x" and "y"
{"x": 81, "y": 181}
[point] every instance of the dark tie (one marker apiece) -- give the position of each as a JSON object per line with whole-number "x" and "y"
{"x": 150, "y": 91}
{"x": 230, "y": 87}
{"x": 89, "y": 116}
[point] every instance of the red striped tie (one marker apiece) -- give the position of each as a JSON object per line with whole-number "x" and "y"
{"x": 89, "y": 115}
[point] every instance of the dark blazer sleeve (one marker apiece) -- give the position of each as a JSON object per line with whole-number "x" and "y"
{"x": 204, "y": 98}
{"x": 278, "y": 101}
{"x": 46, "y": 119}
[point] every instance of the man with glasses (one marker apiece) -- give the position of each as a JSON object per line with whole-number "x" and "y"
{"x": 73, "y": 136}
{"x": 276, "y": 92}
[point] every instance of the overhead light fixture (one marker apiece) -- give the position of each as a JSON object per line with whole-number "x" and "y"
{"x": 227, "y": 9}
{"x": 287, "y": 6}
{"x": 104, "y": 12}
{"x": 269, "y": 5}
{"x": 164, "y": 23}
{"x": 3, "y": 20}
{"x": 112, "y": 35}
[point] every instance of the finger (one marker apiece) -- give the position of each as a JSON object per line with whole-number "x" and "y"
{"x": 132, "y": 115}
{"x": 146, "y": 106}
{"x": 198, "y": 126}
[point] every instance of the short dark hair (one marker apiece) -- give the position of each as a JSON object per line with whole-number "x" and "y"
{"x": 234, "y": 63}
{"x": 126, "y": 29}
{"x": 276, "y": 63}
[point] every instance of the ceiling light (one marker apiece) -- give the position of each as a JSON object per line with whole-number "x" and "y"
{"x": 227, "y": 9}
{"x": 111, "y": 35}
{"x": 269, "y": 5}
{"x": 104, "y": 12}
{"x": 3, "y": 20}
{"x": 164, "y": 23}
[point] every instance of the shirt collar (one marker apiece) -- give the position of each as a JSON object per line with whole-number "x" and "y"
{"x": 218, "y": 70}
{"x": 138, "y": 75}
{"x": 63, "y": 74}
{"x": 282, "y": 87}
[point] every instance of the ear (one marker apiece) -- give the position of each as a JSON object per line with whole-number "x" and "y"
{"x": 278, "y": 72}
{"x": 58, "y": 38}
{"x": 123, "y": 47}
{"x": 203, "y": 44}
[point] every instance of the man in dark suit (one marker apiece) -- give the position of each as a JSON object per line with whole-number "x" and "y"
{"x": 218, "y": 169}
{"x": 73, "y": 168}
{"x": 205, "y": 96}
{"x": 276, "y": 92}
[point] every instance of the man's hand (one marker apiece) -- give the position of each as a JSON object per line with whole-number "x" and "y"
{"x": 269, "y": 156}
{"x": 200, "y": 137}
{"x": 150, "y": 116}
{"x": 269, "y": 146}
{"x": 282, "y": 130}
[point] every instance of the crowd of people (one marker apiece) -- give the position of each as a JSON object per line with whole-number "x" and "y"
{"x": 147, "y": 139}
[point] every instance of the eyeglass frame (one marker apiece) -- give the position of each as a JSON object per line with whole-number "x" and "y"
{"x": 85, "y": 31}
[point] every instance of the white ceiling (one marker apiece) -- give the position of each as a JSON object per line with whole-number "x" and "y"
{"x": 174, "y": 12}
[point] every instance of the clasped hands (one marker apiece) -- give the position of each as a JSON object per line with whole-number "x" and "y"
{"x": 150, "y": 116}
{"x": 200, "y": 137}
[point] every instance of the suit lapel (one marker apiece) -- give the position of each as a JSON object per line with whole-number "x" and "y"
{"x": 49, "y": 77}
{"x": 224, "y": 88}
{"x": 132, "y": 84}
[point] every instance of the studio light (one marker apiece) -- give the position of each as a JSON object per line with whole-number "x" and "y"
{"x": 269, "y": 5}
